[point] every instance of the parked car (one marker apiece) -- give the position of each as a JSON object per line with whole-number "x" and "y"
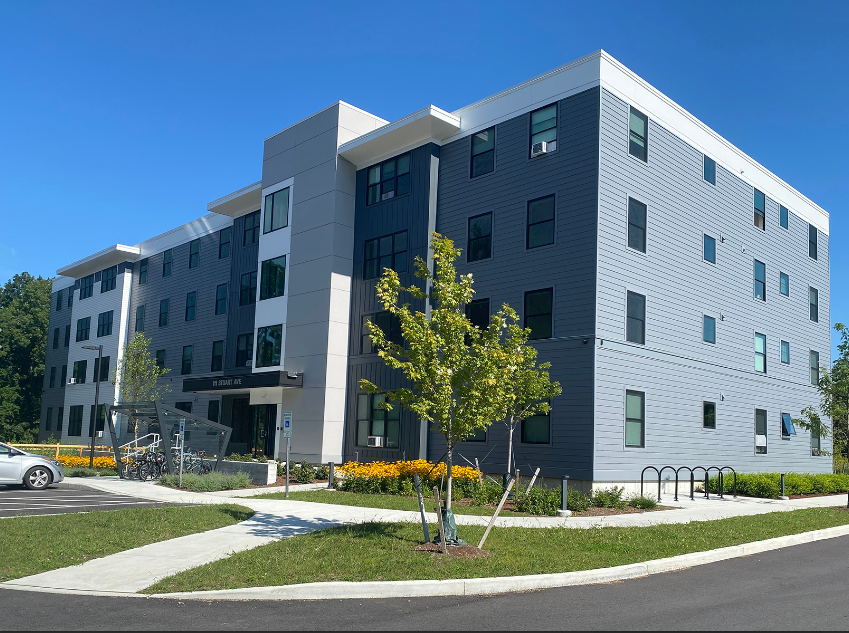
{"x": 34, "y": 471}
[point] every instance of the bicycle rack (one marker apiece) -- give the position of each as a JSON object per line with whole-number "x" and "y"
{"x": 692, "y": 472}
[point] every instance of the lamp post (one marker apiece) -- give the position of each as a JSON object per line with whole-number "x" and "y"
{"x": 94, "y": 417}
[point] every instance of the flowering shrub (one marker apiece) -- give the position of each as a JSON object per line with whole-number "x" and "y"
{"x": 69, "y": 461}
{"x": 397, "y": 478}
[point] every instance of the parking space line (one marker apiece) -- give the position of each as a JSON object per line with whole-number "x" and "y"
{"x": 44, "y": 507}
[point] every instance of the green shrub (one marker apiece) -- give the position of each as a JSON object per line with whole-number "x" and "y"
{"x": 768, "y": 485}
{"x": 322, "y": 471}
{"x": 488, "y": 493}
{"x": 577, "y": 501}
{"x": 211, "y": 482}
{"x": 90, "y": 472}
{"x": 538, "y": 501}
{"x": 261, "y": 458}
{"x": 609, "y": 498}
{"x": 303, "y": 473}
{"x": 642, "y": 502}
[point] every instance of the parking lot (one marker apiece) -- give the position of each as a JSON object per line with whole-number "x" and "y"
{"x": 58, "y": 500}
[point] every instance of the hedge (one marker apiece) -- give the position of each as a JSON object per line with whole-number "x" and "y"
{"x": 768, "y": 485}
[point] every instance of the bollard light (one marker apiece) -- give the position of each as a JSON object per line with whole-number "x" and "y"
{"x": 330, "y": 475}
{"x": 564, "y": 494}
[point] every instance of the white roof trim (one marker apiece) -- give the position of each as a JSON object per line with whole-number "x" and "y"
{"x": 98, "y": 261}
{"x": 238, "y": 203}
{"x": 332, "y": 105}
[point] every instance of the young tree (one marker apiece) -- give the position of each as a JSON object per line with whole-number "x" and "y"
{"x": 137, "y": 375}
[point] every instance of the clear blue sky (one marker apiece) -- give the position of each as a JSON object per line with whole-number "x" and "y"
{"x": 119, "y": 121}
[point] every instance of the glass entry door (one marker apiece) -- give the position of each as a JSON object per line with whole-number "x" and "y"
{"x": 254, "y": 428}
{"x": 264, "y": 428}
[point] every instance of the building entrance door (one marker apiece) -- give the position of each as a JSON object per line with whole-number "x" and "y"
{"x": 264, "y": 428}
{"x": 254, "y": 428}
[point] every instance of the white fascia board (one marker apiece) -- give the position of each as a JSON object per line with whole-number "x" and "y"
{"x": 636, "y": 91}
{"x": 196, "y": 228}
{"x": 98, "y": 261}
{"x": 332, "y": 105}
{"x": 236, "y": 204}
{"x": 427, "y": 124}
{"x": 61, "y": 283}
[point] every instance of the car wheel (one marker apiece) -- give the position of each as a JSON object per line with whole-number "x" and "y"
{"x": 37, "y": 478}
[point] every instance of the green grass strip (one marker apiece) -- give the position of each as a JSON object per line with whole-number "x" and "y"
{"x": 382, "y": 551}
{"x": 31, "y": 545}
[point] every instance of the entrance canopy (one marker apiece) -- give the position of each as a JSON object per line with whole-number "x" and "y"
{"x": 243, "y": 382}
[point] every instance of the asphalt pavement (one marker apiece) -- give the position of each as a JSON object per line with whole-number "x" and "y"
{"x": 20, "y": 501}
{"x": 801, "y": 587}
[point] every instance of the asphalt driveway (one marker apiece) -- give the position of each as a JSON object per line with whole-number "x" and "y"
{"x": 19, "y": 501}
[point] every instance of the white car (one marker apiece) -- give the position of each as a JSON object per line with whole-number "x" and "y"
{"x": 34, "y": 471}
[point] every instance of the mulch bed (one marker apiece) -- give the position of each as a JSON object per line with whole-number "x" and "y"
{"x": 454, "y": 551}
{"x": 281, "y": 481}
{"x": 604, "y": 512}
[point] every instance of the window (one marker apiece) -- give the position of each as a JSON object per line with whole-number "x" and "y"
{"x": 636, "y": 225}
{"x": 213, "y": 412}
{"x": 815, "y": 442}
{"x": 108, "y": 279}
{"x": 540, "y": 222}
{"x": 247, "y": 294}
{"x": 194, "y": 253}
{"x": 186, "y": 366}
{"x": 163, "y": 312}
{"x": 224, "y": 237}
{"x": 104, "y": 323}
{"x": 635, "y": 419}
{"x": 388, "y": 323}
{"x": 787, "y": 427}
{"x": 70, "y": 297}
{"x": 244, "y": 350}
{"x": 813, "y": 300}
{"x": 709, "y": 415}
{"x": 160, "y": 358}
{"x": 760, "y": 353}
{"x": 783, "y": 216}
{"x": 477, "y": 312}
{"x": 812, "y": 241}
{"x": 760, "y": 280}
{"x": 140, "y": 319}
{"x": 638, "y": 135}
{"x": 58, "y": 301}
{"x": 544, "y": 127}
{"x": 710, "y": 170}
{"x": 64, "y": 375}
{"x": 480, "y": 238}
{"x": 217, "y": 356}
{"x": 273, "y": 278}
{"x": 86, "y": 287}
{"x": 183, "y": 406}
{"x": 708, "y": 329}
{"x": 815, "y": 367}
{"x": 483, "y": 152}
{"x": 785, "y": 352}
{"x": 143, "y": 271}
{"x": 372, "y": 421}
{"x": 56, "y": 338}
{"x": 276, "y": 211}
{"x": 635, "y": 322}
{"x": 537, "y": 429}
{"x": 75, "y": 421}
{"x": 709, "y": 249}
{"x": 389, "y": 179}
{"x": 478, "y": 435}
{"x": 80, "y": 370}
{"x": 101, "y": 370}
{"x": 538, "y": 313}
{"x": 760, "y": 210}
{"x": 269, "y": 341}
{"x": 784, "y": 284}
{"x": 83, "y": 327}
{"x": 252, "y": 222}
{"x": 59, "y": 420}
{"x": 760, "y": 431}
{"x": 52, "y": 377}
{"x": 67, "y": 336}
{"x": 221, "y": 299}
{"x": 191, "y": 305}
{"x": 167, "y": 259}
{"x": 389, "y": 251}
{"x": 49, "y": 421}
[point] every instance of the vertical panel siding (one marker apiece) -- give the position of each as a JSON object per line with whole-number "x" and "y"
{"x": 240, "y": 319}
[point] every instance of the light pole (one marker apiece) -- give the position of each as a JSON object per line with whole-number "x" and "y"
{"x": 94, "y": 417}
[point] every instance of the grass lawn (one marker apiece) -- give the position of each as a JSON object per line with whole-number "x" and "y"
{"x": 382, "y": 551}
{"x": 31, "y": 545}
{"x": 386, "y": 502}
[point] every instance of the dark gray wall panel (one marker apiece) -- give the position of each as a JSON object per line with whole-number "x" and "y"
{"x": 55, "y": 397}
{"x": 240, "y": 319}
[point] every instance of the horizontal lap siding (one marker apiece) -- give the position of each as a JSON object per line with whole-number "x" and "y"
{"x": 55, "y": 397}
{"x": 680, "y": 288}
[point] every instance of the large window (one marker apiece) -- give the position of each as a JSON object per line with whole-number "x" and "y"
{"x": 480, "y": 238}
{"x": 635, "y": 419}
{"x": 483, "y": 152}
{"x": 760, "y": 431}
{"x": 163, "y": 312}
{"x": 814, "y": 304}
{"x": 372, "y": 421}
{"x": 67, "y": 336}
{"x": 217, "y": 356}
{"x": 269, "y": 343}
{"x": 389, "y": 179}
{"x": 59, "y": 300}
{"x": 186, "y": 365}
{"x": 75, "y": 421}
{"x": 70, "y": 297}
{"x": 52, "y": 378}
{"x": 64, "y": 375}
{"x": 167, "y": 262}
{"x": 388, "y": 323}
{"x": 710, "y": 170}
{"x": 708, "y": 329}
{"x": 760, "y": 353}
{"x": 194, "y": 253}
{"x": 86, "y": 287}
{"x": 104, "y": 323}
{"x": 143, "y": 265}
{"x": 224, "y": 238}
{"x": 812, "y": 241}
{"x": 709, "y": 415}
{"x": 709, "y": 249}
{"x": 638, "y": 135}
{"x": 783, "y": 216}
{"x": 815, "y": 367}
{"x": 760, "y": 280}
{"x": 80, "y": 370}
{"x": 101, "y": 420}
{"x": 244, "y": 350}
{"x": 537, "y": 429}
{"x": 539, "y": 312}
{"x": 760, "y": 210}
{"x": 191, "y": 305}
{"x": 389, "y": 251}
{"x": 785, "y": 352}
{"x": 273, "y": 282}
{"x": 140, "y": 319}
{"x": 251, "y": 228}
{"x": 247, "y": 292}
{"x": 56, "y": 338}
{"x": 544, "y": 127}
{"x": 101, "y": 369}
{"x": 221, "y": 299}
{"x": 540, "y": 222}
{"x": 635, "y": 321}
{"x": 83, "y": 329}
{"x": 637, "y": 225}
{"x": 784, "y": 284}
{"x": 477, "y": 312}
{"x": 160, "y": 358}
{"x": 49, "y": 424}
{"x": 108, "y": 279}
{"x": 276, "y": 211}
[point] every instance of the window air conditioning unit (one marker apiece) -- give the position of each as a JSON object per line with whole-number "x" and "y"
{"x": 72, "y": 381}
{"x": 249, "y": 363}
{"x": 539, "y": 148}
{"x": 375, "y": 441}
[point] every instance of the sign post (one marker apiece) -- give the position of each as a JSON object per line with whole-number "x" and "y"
{"x": 182, "y": 435}
{"x": 287, "y": 433}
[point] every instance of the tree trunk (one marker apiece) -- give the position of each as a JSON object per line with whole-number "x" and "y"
{"x": 449, "y": 461}
{"x": 510, "y": 446}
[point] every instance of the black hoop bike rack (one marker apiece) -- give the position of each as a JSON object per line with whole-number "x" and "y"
{"x": 707, "y": 470}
